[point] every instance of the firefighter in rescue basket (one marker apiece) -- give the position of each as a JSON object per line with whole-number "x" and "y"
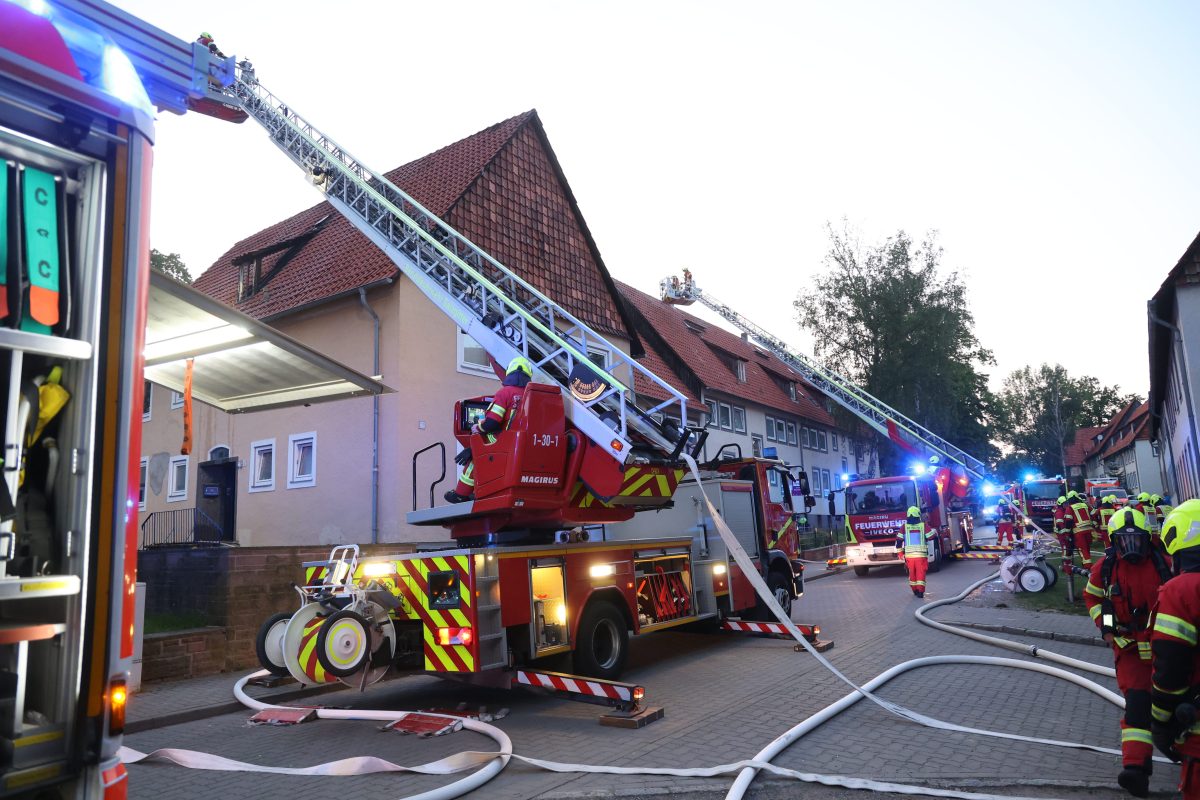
{"x": 913, "y": 544}
{"x": 1121, "y": 591}
{"x": 498, "y": 417}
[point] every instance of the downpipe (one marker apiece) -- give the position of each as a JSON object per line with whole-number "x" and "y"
{"x": 362, "y": 298}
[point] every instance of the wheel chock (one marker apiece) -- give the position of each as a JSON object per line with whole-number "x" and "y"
{"x": 271, "y": 681}
{"x": 424, "y": 725}
{"x": 820, "y": 645}
{"x": 283, "y": 716}
{"x": 632, "y": 719}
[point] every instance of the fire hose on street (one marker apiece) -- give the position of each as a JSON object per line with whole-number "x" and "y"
{"x": 488, "y": 764}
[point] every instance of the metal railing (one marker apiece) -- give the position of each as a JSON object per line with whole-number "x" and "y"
{"x": 180, "y": 527}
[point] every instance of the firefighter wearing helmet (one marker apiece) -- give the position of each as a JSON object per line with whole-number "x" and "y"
{"x": 1143, "y": 503}
{"x": 1082, "y": 526}
{"x": 1175, "y": 730}
{"x": 1006, "y": 519}
{"x": 1103, "y": 515}
{"x": 1120, "y": 594}
{"x": 913, "y": 545}
{"x": 1062, "y": 531}
{"x": 498, "y": 417}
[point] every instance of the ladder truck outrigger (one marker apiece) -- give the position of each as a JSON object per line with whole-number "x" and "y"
{"x": 522, "y": 581}
{"x": 875, "y": 507}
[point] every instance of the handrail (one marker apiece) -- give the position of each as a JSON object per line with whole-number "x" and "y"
{"x": 441, "y": 478}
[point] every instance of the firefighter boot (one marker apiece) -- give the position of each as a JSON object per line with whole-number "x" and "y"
{"x": 1135, "y": 780}
{"x": 454, "y": 497}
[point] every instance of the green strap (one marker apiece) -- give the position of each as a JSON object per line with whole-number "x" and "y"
{"x": 41, "y": 239}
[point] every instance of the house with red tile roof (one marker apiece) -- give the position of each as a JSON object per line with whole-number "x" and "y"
{"x": 749, "y": 398}
{"x": 343, "y": 471}
{"x": 1074, "y": 453}
{"x": 1122, "y": 449}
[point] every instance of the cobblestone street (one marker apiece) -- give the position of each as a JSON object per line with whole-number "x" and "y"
{"x": 725, "y": 697}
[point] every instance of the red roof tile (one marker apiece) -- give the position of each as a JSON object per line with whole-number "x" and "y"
{"x": 702, "y": 346}
{"x": 501, "y": 187}
{"x": 1076, "y": 451}
{"x": 1132, "y": 424}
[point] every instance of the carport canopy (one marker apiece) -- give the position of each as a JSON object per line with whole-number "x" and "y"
{"x": 241, "y": 364}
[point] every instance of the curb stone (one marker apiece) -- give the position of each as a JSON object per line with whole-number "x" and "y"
{"x": 1009, "y": 629}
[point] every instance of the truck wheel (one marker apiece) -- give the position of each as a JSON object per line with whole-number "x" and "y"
{"x": 269, "y": 643}
{"x": 603, "y": 642}
{"x": 935, "y": 556}
{"x": 861, "y": 571}
{"x": 777, "y": 583}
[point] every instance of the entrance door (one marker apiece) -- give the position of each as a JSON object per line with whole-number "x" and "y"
{"x": 216, "y": 501}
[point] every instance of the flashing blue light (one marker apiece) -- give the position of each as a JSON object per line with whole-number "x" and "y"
{"x": 770, "y": 452}
{"x": 988, "y": 488}
{"x": 1029, "y": 476}
{"x": 919, "y": 469}
{"x": 845, "y": 476}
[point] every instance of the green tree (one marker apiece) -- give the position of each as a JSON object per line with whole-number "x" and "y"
{"x": 171, "y": 265}
{"x": 1039, "y": 410}
{"x": 887, "y": 317}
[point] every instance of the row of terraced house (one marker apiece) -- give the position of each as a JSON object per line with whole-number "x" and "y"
{"x": 345, "y": 471}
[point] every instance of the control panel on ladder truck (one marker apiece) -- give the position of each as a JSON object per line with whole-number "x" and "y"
{"x": 577, "y": 453}
{"x": 875, "y": 507}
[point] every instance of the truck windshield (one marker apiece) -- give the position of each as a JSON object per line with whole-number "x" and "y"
{"x": 1120, "y": 494}
{"x": 1043, "y": 490}
{"x": 879, "y": 498}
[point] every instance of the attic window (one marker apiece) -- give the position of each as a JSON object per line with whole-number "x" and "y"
{"x": 252, "y": 276}
{"x": 694, "y": 327}
{"x": 762, "y": 354}
{"x": 786, "y": 386}
{"x": 736, "y": 365}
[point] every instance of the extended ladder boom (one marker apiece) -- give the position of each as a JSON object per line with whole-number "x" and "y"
{"x": 869, "y": 409}
{"x": 499, "y": 310}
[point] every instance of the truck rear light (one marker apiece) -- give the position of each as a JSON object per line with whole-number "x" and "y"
{"x": 117, "y": 697}
{"x": 449, "y": 636}
{"x": 719, "y": 569}
{"x": 638, "y": 693}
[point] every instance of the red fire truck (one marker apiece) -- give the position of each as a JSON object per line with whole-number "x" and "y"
{"x": 1037, "y": 498}
{"x": 875, "y": 514}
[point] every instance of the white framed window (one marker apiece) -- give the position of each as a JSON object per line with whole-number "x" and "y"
{"x": 815, "y": 488}
{"x": 833, "y": 437}
{"x": 804, "y": 437}
{"x": 471, "y": 356}
{"x": 219, "y": 452}
{"x": 712, "y": 413}
{"x": 262, "y": 465}
{"x": 791, "y": 433}
{"x": 302, "y": 460}
{"x": 147, "y": 400}
{"x": 739, "y": 419}
{"x": 177, "y": 489}
{"x": 756, "y": 444}
{"x": 176, "y": 399}
{"x": 740, "y": 371}
{"x": 142, "y": 472}
{"x": 771, "y": 428}
{"x": 726, "y": 417}
{"x": 599, "y": 356}
{"x": 821, "y": 443}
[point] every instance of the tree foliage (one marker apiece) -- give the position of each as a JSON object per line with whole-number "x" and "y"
{"x": 1039, "y": 410}
{"x": 171, "y": 265}
{"x": 889, "y": 318}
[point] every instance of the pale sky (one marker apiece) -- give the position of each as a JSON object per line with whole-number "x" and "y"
{"x": 1052, "y": 144}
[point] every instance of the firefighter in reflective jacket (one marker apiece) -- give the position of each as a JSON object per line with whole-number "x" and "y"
{"x": 1103, "y": 515}
{"x": 913, "y": 544}
{"x": 1005, "y": 521}
{"x": 1082, "y": 526}
{"x": 1176, "y": 695}
{"x": 1120, "y": 594}
{"x": 1063, "y": 521}
{"x": 497, "y": 418}
{"x": 1160, "y": 512}
{"x": 1143, "y": 503}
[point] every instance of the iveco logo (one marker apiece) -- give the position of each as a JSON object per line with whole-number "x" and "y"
{"x": 546, "y": 479}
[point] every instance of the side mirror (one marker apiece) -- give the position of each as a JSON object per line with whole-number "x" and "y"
{"x": 809, "y": 501}
{"x": 802, "y": 482}
{"x": 832, "y": 508}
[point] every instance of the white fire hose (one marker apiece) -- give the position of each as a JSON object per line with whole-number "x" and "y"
{"x": 489, "y": 764}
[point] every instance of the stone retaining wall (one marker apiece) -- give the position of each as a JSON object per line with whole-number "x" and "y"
{"x": 183, "y": 654}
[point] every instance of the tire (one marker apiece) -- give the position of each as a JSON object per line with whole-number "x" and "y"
{"x": 344, "y": 643}
{"x": 777, "y": 582}
{"x": 602, "y": 646}
{"x": 1050, "y": 572}
{"x": 935, "y": 555}
{"x": 861, "y": 571}
{"x": 1032, "y": 579}
{"x": 269, "y": 643}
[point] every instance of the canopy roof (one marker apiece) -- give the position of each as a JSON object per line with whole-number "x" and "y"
{"x": 241, "y": 364}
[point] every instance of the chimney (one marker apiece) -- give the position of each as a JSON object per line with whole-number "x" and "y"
{"x": 745, "y": 336}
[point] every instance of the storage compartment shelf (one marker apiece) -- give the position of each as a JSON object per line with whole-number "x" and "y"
{"x": 40, "y": 586}
{"x": 54, "y": 346}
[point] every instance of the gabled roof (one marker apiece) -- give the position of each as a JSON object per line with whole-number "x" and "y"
{"x": 1076, "y": 451}
{"x": 1130, "y": 424}
{"x": 502, "y": 187}
{"x": 700, "y": 350}
{"x": 1185, "y": 272}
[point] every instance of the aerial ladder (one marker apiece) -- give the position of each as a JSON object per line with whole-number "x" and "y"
{"x": 874, "y": 412}
{"x": 508, "y": 317}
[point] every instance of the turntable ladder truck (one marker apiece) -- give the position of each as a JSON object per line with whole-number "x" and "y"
{"x": 521, "y": 581}
{"x": 873, "y": 535}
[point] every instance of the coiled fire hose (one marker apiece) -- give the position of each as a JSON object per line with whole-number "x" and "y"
{"x": 489, "y": 764}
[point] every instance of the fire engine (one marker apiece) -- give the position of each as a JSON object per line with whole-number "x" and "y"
{"x": 1097, "y": 488}
{"x": 875, "y": 514}
{"x": 1037, "y": 498}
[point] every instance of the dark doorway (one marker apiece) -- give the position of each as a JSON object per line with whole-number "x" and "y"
{"x": 216, "y": 501}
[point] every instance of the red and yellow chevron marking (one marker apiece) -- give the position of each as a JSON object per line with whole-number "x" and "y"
{"x": 308, "y": 653}
{"x": 413, "y": 587}
{"x": 639, "y": 481}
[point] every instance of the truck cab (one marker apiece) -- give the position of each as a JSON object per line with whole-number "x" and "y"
{"x": 1038, "y": 498}
{"x": 875, "y": 515}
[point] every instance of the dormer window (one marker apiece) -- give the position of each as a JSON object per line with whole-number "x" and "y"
{"x": 694, "y": 327}
{"x": 253, "y": 275}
